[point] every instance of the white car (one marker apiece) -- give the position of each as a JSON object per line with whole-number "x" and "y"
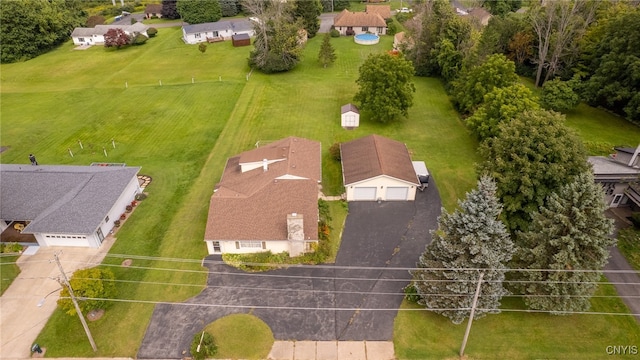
{"x": 405, "y": 10}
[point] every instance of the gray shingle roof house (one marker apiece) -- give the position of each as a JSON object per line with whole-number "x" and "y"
{"x": 66, "y": 205}
{"x": 223, "y": 30}
{"x": 378, "y": 168}
{"x": 95, "y": 35}
{"x": 263, "y": 195}
{"x": 619, "y": 175}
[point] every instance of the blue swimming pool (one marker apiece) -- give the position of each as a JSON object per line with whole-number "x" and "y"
{"x": 366, "y": 39}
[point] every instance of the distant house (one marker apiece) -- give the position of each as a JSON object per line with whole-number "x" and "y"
{"x": 402, "y": 42}
{"x": 65, "y": 205}
{"x": 153, "y": 10}
{"x": 354, "y": 23}
{"x": 215, "y": 31}
{"x": 267, "y": 200}
{"x": 619, "y": 175}
{"x": 349, "y": 116}
{"x": 378, "y": 168}
{"x": 481, "y": 15}
{"x": 383, "y": 10}
{"x": 95, "y": 35}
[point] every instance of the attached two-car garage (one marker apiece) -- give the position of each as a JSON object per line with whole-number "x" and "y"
{"x": 375, "y": 168}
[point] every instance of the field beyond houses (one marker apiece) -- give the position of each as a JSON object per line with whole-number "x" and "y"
{"x": 179, "y": 114}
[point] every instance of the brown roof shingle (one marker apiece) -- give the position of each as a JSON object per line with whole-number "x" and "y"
{"x": 375, "y": 155}
{"x": 153, "y": 9}
{"x": 382, "y": 10}
{"x": 254, "y": 205}
{"x": 347, "y": 18}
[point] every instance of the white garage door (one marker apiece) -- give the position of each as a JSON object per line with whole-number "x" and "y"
{"x": 364, "y": 193}
{"x": 397, "y": 193}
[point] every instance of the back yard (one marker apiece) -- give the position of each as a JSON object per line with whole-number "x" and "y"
{"x": 179, "y": 114}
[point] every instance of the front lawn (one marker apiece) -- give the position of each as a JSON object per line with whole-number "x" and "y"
{"x": 8, "y": 270}
{"x": 629, "y": 246}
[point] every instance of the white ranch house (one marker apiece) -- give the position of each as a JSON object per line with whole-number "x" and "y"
{"x": 65, "y": 205}
{"x": 95, "y": 35}
{"x": 267, "y": 200}
{"x": 376, "y": 168}
{"x": 215, "y": 31}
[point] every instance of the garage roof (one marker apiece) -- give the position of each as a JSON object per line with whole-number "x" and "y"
{"x": 61, "y": 199}
{"x": 375, "y": 155}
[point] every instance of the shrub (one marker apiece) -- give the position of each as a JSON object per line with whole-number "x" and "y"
{"x": 141, "y": 196}
{"x": 402, "y": 17}
{"x": 392, "y": 29}
{"x": 635, "y": 219}
{"x": 133, "y": 21}
{"x": 10, "y": 248}
{"x": 122, "y": 217}
{"x": 152, "y": 32}
{"x": 411, "y": 294}
{"x": 207, "y": 348}
{"x": 334, "y": 151}
{"x": 334, "y": 33}
{"x": 116, "y": 223}
{"x": 559, "y": 95}
{"x": 91, "y": 284}
{"x": 129, "y": 208}
{"x": 139, "y": 39}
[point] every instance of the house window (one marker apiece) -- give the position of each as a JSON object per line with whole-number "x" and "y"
{"x": 80, "y": 39}
{"x": 380, "y": 30}
{"x": 196, "y": 35}
{"x": 214, "y": 33}
{"x": 106, "y": 219}
{"x": 365, "y": 28}
{"x": 251, "y": 244}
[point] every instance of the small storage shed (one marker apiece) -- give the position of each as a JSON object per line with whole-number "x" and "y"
{"x": 241, "y": 40}
{"x": 350, "y": 116}
{"x": 378, "y": 168}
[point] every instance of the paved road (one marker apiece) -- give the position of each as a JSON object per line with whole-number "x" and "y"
{"x": 319, "y": 303}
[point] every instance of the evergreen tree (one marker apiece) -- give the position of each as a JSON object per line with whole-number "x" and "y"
{"x": 570, "y": 232}
{"x": 308, "y": 11}
{"x": 327, "y": 53}
{"x": 170, "y": 9}
{"x": 472, "y": 237}
{"x": 199, "y": 11}
{"x": 229, "y": 7}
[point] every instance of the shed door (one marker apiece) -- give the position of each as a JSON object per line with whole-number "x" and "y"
{"x": 364, "y": 193}
{"x": 397, "y": 193}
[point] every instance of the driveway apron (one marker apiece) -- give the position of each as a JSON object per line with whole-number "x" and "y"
{"x": 313, "y": 303}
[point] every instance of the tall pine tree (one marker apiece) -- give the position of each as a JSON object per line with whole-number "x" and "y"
{"x": 570, "y": 232}
{"x": 472, "y": 237}
{"x": 327, "y": 54}
{"x": 308, "y": 11}
{"x": 170, "y": 9}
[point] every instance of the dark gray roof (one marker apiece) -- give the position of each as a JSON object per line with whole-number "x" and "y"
{"x": 80, "y": 31}
{"x": 606, "y": 169}
{"x": 61, "y": 199}
{"x": 349, "y": 107}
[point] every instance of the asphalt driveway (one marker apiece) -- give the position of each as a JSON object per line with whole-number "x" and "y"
{"x": 355, "y": 299}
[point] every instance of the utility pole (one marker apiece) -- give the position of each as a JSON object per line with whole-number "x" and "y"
{"x": 75, "y": 303}
{"x": 473, "y": 310}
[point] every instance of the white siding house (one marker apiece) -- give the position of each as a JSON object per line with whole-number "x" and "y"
{"x": 215, "y": 31}
{"x": 95, "y": 35}
{"x": 66, "y": 205}
{"x": 619, "y": 175}
{"x": 375, "y": 168}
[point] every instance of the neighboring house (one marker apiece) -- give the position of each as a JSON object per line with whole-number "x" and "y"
{"x": 402, "y": 42}
{"x": 378, "y": 168}
{"x": 349, "y": 116}
{"x": 619, "y": 175}
{"x": 215, "y": 31}
{"x": 267, "y": 200}
{"x": 95, "y": 35}
{"x": 354, "y": 23}
{"x": 481, "y": 15}
{"x": 66, "y": 205}
{"x": 383, "y": 10}
{"x": 153, "y": 10}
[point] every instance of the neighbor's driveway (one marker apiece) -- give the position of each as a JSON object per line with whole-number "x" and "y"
{"x": 313, "y": 302}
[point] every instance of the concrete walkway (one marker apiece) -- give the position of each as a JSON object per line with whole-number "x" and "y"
{"x": 331, "y": 350}
{"x": 23, "y": 314}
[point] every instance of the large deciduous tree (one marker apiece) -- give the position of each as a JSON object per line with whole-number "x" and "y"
{"x": 277, "y": 44}
{"x": 95, "y": 284}
{"x": 558, "y": 95}
{"x": 29, "y": 28}
{"x": 472, "y": 237}
{"x": 170, "y": 9}
{"x": 473, "y": 84}
{"x": 199, "y": 11}
{"x": 612, "y": 61}
{"x": 385, "y": 86}
{"x": 532, "y": 156}
{"x": 308, "y": 11}
{"x": 116, "y": 38}
{"x": 229, "y": 7}
{"x": 499, "y": 105}
{"x": 501, "y": 7}
{"x": 569, "y": 234}
{"x": 327, "y": 54}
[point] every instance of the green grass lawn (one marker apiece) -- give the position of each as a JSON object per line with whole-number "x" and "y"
{"x": 419, "y": 334}
{"x": 8, "y": 271}
{"x": 241, "y": 336}
{"x": 182, "y": 132}
{"x": 629, "y": 246}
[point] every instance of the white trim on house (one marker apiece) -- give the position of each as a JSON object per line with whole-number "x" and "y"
{"x": 216, "y": 31}
{"x": 382, "y": 184}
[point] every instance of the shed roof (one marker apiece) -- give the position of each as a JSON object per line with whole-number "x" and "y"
{"x": 153, "y": 9}
{"x": 375, "y": 155}
{"x": 253, "y": 205}
{"x": 240, "y": 37}
{"x": 349, "y": 107}
{"x": 61, "y": 199}
{"x": 348, "y": 18}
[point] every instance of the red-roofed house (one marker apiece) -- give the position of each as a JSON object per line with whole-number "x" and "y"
{"x": 354, "y": 23}
{"x": 267, "y": 199}
{"x": 378, "y": 168}
{"x": 382, "y": 10}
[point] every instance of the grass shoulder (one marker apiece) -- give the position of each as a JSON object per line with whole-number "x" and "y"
{"x": 629, "y": 245}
